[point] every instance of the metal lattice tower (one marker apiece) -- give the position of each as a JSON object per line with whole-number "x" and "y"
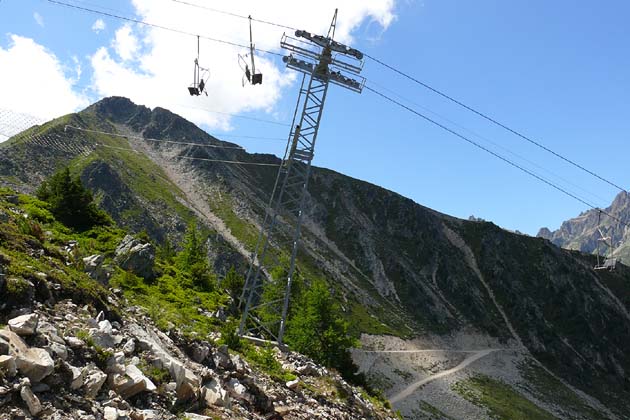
{"x": 267, "y": 289}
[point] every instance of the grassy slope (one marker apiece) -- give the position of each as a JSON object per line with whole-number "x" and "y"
{"x": 501, "y": 400}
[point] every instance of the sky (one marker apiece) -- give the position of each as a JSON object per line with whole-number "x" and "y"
{"x": 558, "y": 72}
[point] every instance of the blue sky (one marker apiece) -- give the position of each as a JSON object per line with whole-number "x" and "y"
{"x": 556, "y": 71}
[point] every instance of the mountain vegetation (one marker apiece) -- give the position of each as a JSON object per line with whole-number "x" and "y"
{"x": 372, "y": 266}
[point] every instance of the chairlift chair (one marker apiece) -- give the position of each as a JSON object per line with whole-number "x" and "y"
{"x": 251, "y": 76}
{"x": 200, "y": 77}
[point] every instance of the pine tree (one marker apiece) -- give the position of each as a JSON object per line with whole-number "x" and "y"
{"x": 70, "y": 202}
{"x": 194, "y": 261}
{"x": 318, "y": 330}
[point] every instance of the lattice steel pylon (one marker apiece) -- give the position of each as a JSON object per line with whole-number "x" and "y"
{"x": 267, "y": 289}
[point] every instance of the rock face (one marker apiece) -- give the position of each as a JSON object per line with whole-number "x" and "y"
{"x": 584, "y": 231}
{"x": 136, "y": 256}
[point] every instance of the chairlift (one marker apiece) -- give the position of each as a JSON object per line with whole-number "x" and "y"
{"x": 606, "y": 259}
{"x": 200, "y": 77}
{"x": 250, "y": 75}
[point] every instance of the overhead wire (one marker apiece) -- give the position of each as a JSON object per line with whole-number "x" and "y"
{"x": 491, "y": 142}
{"x": 48, "y": 142}
{"x": 415, "y": 80}
{"x": 376, "y": 60}
{"x": 494, "y": 121}
{"x": 246, "y": 117}
{"x": 158, "y": 26}
{"x": 215, "y": 146}
{"x": 493, "y": 153}
{"x": 212, "y": 9}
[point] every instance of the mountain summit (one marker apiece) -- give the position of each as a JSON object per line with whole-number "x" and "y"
{"x": 583, "y": 232}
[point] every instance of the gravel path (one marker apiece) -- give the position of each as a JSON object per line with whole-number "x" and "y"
{"x": 411, "y": 388}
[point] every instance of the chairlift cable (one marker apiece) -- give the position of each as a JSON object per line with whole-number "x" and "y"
{"x": 211, "y": 9}
{"x": 479, "y": 136}
{"x": 495, "y": 154}
{"x": 154, "y": 25}
{"x": 495, "y": 122}
{"x": 154, "y": 140}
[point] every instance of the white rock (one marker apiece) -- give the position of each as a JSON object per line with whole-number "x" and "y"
{"x": 24, "y": 325}
{"x": 8, "y": 366}
{"x": 33, "y": 362}
{"x": 105, "y": 326}
{"x": 238, "y": 390}
{"x": 130, "y": 347}
{"x": 94, "y": 380}
{"x": 193, "y": 416}
{"x": 76, "y": 381}
{"x": 131, "y": 383}
{"x": 293, "y": 384}
{"x": 34, "y": 406}
{"x": 74, "y": 342}
{"x": 187, "y": 382}
{"x": 110, "y": 413}
{"x": 136, "y": 374}
{"x": 213, "y": 394}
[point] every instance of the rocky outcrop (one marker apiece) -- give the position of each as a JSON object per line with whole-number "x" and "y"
{"x": 128, "y": 369}
{"x": 584, "y": 231}
{"x": 136, "y": 256}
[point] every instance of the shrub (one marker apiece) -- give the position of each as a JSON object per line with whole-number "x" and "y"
{"x": 318, "y": 330}
{"x": 70, "y": 202}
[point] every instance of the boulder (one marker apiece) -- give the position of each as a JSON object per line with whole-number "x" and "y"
{"x": 104, "y": 336}
{"x": 222, "y": 358}
{"x": 34, "y": 406}
{"x": 77, "y": 376}
{"x": 238, "y": 391}
{"x": 35, "y": 363}
{"x": 187, "y": 382}
{"x": 8, "y": 366}
{"x": 130, "y": 347}
{"x": 24, "y": 325}
{"x": 213, "y": 394}
{"x": 110, "y": 413}
{"x": 94, "y": 378}
{"x": 293, "y": 384}
{"x": 136, "y": 256}
{"x": 74, "y": 342}
{"x": 131, "y": 383}
{"x": 93, "y": 266}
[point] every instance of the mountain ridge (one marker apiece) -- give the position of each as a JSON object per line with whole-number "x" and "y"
{"x": 396, "y": 267}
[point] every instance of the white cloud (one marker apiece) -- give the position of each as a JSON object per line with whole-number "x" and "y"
{"x": 39, "y": 19}
{"x": 125, "y": 43}
{"x": 154, "y": 67}
{"x": 98, "y": 26}
{"x": 33, "y": 81}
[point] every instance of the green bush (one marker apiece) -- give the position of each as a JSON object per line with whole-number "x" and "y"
{"x": 193, "y": 260}
{"x": 229, "y": 335}
{"x": 70, "y": 202}
{"x": 318, "y": 330}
